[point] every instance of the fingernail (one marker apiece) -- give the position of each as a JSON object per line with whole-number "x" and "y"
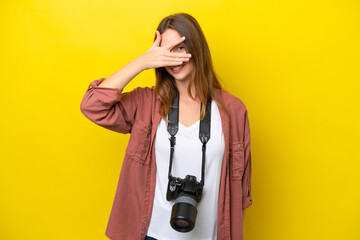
{"x": 189, "y": 55}
{"x": 183, "y": 37}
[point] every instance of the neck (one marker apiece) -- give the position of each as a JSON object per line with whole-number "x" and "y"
{"x": 182, "y": 86}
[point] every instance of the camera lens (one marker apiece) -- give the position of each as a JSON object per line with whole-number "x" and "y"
{"x": 182, "y": 223}
{"x": 184, "y": 213}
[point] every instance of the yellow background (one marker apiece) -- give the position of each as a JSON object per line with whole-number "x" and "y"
{"x": 295, "y": 64}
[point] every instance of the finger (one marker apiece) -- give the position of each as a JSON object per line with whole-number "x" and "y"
{"x": 181, "y": 55}
{"x": 179, "y": 59}
{"x": 173, "y": 63}
{"x": 176, "y": 60}
{"x": 173, "y": 44}
{"x": 158, "y": 38}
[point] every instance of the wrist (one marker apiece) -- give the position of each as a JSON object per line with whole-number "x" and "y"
{"x": 140, "y": 63}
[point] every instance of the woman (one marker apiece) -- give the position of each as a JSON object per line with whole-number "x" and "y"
{"x": 183, "y": 66}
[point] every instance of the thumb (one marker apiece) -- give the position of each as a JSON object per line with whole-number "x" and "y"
{"x": 158, "y": 39}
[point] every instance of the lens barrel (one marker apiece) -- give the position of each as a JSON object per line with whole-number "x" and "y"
{"x": 184, "y": 212}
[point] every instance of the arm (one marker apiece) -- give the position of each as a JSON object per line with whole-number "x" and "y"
{"x": 106, "y": 105}
{"x": 155, "y": 57}
{"x": 109, "y": 107}
{"x": 124, "y": 75}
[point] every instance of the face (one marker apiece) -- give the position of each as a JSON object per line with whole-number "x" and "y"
{"x": 184, "y": 73}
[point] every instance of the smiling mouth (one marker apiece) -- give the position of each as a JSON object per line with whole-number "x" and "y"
{"x": 177, "y": 68}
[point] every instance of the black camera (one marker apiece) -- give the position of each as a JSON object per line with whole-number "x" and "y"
{"x": 187, "y": 193}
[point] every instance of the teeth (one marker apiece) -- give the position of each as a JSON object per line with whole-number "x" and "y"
{"x": 177, "y": 67}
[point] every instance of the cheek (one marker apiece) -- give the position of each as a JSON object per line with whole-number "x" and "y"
{"x": 189, "y": 66}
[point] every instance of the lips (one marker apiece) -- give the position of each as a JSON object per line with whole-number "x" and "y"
{"x": 177, "y": 70}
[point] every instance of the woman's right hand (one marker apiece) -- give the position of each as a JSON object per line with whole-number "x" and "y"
{"x": 162, "y": 56}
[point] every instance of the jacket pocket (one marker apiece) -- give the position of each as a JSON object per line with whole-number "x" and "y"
{"x": 237, "y": 160}
{"x": 139, "y": 142}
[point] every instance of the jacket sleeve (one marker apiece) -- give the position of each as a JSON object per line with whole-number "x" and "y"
{"x": 110, "y": 107}
{"x": 246, "y": 181}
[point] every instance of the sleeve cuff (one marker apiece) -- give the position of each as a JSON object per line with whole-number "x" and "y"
{"x": 106, "y": 95}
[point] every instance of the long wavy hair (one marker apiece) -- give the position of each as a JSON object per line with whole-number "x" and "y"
{"x": 203, "y": 75}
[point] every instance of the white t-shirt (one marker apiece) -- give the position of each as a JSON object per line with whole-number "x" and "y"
{"x": 187, "y": 160}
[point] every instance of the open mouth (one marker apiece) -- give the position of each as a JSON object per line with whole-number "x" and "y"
{"x": 177, "y": 68}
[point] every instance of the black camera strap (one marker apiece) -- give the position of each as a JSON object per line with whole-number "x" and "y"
{"x": 204, "y": 132}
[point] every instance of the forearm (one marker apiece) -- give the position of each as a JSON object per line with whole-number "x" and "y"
{"x": 124, "y": 75}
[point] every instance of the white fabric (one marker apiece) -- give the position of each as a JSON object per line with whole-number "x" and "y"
{"x": 187, "y": 161}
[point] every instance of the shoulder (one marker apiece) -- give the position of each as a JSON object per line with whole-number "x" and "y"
{"x": 231, "y": 102}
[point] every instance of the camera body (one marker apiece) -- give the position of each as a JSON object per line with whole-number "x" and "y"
{"x": 187, "y": 193}
{"x": 189, "y": 186}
